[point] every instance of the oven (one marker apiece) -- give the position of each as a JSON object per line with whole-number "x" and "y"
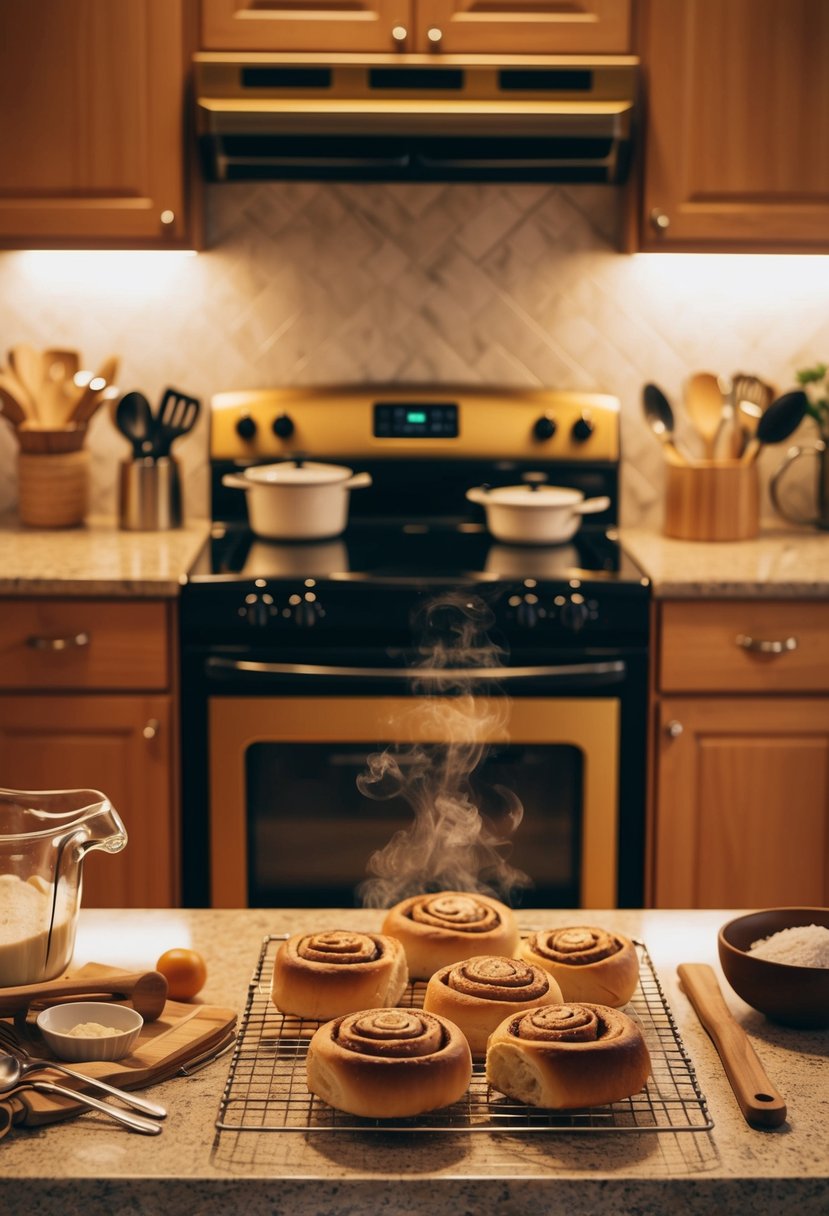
{"x": 415, "y": 705}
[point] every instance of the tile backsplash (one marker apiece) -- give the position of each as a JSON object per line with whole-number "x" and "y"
{"x": 319, "y": 283}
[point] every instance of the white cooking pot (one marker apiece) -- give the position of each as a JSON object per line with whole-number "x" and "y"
{"x": 534, "y": 514}
{"x": 297, "y": 500}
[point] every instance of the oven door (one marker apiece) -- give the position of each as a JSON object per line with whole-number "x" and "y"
{"x": 289, "y": 825}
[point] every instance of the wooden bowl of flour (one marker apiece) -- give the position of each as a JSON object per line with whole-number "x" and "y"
{"x": 795, "y": 991}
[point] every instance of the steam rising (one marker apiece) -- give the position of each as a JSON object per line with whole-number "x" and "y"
{"x": 450, "y": 844}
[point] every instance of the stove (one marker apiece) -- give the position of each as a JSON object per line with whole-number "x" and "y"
{"x": 334, "y": 628}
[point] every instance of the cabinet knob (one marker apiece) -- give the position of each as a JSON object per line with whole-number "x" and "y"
{"x": 168, "y": 217}
{"x": 74, "y": 642}
{"x": 759, "y": 646}
{"x": 674, "y": 729}
{"x": 400, "y": 34}
{"x": 435, "y": 35}
{"x": 151, "y": 730}
{"x": 660, "y": 220}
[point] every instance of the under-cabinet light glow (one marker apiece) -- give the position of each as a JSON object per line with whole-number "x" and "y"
{"x": 107, "y": 270}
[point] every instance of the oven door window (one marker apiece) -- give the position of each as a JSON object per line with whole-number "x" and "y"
{"x": 289, "y": 824}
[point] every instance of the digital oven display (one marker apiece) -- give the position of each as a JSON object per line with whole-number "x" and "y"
{"x": 411, "y": 420}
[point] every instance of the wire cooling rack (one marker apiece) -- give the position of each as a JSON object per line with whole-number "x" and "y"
{"x": 266, "y": 1089}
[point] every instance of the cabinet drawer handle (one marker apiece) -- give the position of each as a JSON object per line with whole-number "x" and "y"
{"x": 150, "y": 731}
{"x": 400, "y": 34}
{"x": 762, "y": 647}
{"x": 674, "y": 729}
{"x": 660, "y": 220}
{"x": 73, "y": 642}
{"x": 435, "y": 35}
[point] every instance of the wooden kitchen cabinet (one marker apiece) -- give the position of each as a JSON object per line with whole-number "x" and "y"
{"x": 448, "y": 26}
{"x": 90, "y": 714}
{"x": 740, "y": 751}
{"x": 737, "y": 115}
{"x": 95, "y": 131}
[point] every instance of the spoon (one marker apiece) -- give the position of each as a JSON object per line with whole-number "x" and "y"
{"x": 134, "y": 420}
{"x": 10, "y": 1084}
{"x": 705, "y": 405}
{"x": 660, "y": 417}
{"x": 24, "y": 1067}
{"x": 782, "y": 417}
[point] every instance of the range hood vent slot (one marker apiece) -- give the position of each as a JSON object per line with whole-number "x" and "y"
{"x": 380, "y": 118}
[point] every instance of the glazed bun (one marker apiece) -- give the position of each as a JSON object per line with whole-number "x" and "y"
{"x": 589, "y": 964}
{"x": 566, "y": 1057}
{"x": 388, "y": 1063}
{"x": 478, "y": 992}
{"x": 444, "y": 928}
{"x": 326, "y": 974}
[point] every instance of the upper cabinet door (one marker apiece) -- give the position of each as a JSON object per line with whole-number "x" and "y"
{"x": 93, "y": 133}
{"x": 305, "y": 25}
{"x": 737, "y": 125}
{"x": 540, "y": 27}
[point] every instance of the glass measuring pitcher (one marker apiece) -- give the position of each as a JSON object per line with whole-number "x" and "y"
{"x": 44, "y": 837}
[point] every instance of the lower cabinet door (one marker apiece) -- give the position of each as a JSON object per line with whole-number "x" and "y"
{"x": 120, "y": 745}
{"x": 742, "y": 803}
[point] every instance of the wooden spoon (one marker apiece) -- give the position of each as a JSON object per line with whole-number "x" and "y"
{"x": 147, "y": 991}
{"x": 94, "y": 394}
{"x": 705, "y": 405}
{"x": 27, "y": 366}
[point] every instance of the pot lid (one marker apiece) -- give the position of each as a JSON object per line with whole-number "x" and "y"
{"x": 532, "y": 496}
{"x": 297, "y": 473}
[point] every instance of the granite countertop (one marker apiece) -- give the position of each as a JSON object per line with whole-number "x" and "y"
{"x": 89, "y": 1165}
{"x": 779, "y": 563}
{"x": 98, "y": 559}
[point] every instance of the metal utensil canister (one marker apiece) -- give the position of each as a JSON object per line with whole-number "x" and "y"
{"x": 149, "y": 494}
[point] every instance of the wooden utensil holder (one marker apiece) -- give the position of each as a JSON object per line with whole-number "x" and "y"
{"x": 712, "y": 500}
{"x": 53, "y": 488}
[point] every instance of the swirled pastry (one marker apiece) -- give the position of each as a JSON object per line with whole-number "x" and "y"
{"x": 589, "y": 964}
{"x": 444, "y": 928}
{"x": 388, "y": 1063}
{"x": 326, "y": 974}
{"x": 567, "y": 1057}
{"x": 478, "y": 992}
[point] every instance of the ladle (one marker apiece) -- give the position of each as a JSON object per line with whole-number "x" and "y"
{"x": 706, "y": 408}
{"x": 134, "y": 420}
{"x": 782, "y": 417}
{"x": 11, "y": 1084}
{"x": 660, "y": 417}
{"x": 34, "y": 1064}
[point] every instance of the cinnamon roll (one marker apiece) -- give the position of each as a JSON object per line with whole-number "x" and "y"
{"x": 444, "y": 928}
{"x": 326, "y": 974}
{"x": 589, "y": 964}
{"x": 476, "y": 993}
{"x": 566, "y": 1057}
{"x": 388, "y": 1063}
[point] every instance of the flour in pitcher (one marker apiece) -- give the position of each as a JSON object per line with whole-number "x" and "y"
{"x": 25, "y": 913}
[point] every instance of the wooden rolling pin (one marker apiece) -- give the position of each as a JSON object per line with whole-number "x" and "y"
{"x": 146, "y": 990}
{"x": 759, "y": 1101}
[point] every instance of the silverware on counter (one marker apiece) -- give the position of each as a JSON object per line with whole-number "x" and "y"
{"x": 758, "y": 1099}
{"x": 11, "y": 1083}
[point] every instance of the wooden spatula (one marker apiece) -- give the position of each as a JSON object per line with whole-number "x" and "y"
{"x": 705, "y": 404}
{"x": 146, "y": 990}
{"x": 759, "y": 1101}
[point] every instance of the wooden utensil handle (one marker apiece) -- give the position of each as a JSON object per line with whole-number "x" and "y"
{"x": 758, "y": 1099}
{"x": 146, "y": 989}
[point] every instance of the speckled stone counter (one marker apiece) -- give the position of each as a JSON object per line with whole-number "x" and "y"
{"x": 779, "y": 563}
{"x": 98, "y": 559}
{"x": 90, "y": 1166}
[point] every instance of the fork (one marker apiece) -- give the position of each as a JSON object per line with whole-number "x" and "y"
{"x": 11, "y": 1044}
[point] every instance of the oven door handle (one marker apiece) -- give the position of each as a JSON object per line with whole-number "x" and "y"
{"x": 612, "y": 671}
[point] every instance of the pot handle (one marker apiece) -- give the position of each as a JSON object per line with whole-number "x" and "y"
{"x": 357, "y": 481}
{"x": 793, "y": 454}
{"x": 478, "y": 494}
{"x": 591, "y": 505}
{"x": 235, "y": 481}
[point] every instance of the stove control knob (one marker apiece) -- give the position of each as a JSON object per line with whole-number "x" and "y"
{"x": 582, "y": 429}
{"x": 545, "y": 427}
{"x": 306, "y": 613}
{"x": 526, "y": 615}
{"x": 574, "y": 614}
{"x": 246, "y": 427}
{"x": 257, "y": 610}
{"x": 283, "y": 426}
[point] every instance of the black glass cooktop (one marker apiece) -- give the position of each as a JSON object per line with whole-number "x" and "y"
{"x": 412, "y": 553}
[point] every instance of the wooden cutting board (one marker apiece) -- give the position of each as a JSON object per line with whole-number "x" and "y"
{"x": 182, "y": 1033}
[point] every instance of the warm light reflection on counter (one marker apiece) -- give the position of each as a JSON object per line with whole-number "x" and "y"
{"x": 131, "y": 941}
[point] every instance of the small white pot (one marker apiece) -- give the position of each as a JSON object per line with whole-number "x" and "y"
{"x": 534, "y": 515}
{"x": 297, "y": 501}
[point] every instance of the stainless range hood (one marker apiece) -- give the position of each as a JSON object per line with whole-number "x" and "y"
{"x": 382, "y": 118}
